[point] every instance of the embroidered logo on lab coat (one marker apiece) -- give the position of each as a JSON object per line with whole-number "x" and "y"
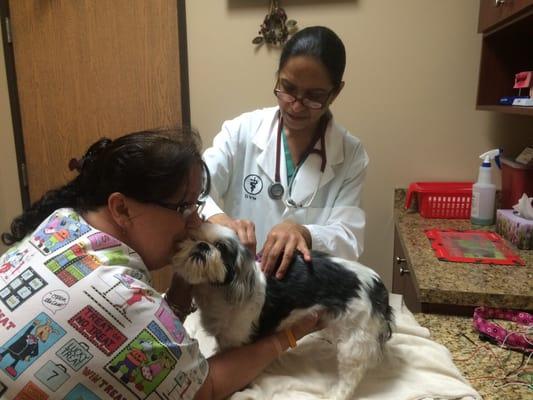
{"x": 253, "y": 184}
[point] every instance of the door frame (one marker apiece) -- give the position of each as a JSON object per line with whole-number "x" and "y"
{"x": 14, "y": 100}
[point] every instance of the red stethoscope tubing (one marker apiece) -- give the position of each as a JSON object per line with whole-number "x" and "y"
{"x": 310, "y": 150}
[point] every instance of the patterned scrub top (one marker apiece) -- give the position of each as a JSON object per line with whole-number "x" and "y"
{"x": 79, "y": 320}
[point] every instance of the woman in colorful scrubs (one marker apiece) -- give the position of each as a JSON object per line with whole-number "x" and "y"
{"x": 79, "y": 318}
{"x": 290, "y": 177}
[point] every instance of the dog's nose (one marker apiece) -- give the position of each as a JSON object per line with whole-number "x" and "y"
{"x": 203, "y": 247}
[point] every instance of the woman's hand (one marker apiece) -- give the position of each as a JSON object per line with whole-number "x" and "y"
{"x": 310, "y": 323}
{"x": 244, "y": 228}
{"x": 282, "y": 240}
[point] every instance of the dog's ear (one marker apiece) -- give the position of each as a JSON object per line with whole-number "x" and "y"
{"x": 230, "y": 274}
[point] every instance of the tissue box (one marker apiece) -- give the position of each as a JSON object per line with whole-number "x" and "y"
{"x": 517, "y": 230}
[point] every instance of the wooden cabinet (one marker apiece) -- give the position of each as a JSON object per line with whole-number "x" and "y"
{"x": 404, "y": 283}
{"x": 495, "y": 13}
{"x": 507, "y": 48}
{"x": 401, "y": 276}
{"x": 437, "y": 286}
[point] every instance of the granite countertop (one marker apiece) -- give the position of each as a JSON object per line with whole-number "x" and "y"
{"x": 465, "y": 284}
{"x": 496, "y": 373}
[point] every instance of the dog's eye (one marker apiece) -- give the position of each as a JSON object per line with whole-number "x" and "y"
{"x": 220, "y": 246}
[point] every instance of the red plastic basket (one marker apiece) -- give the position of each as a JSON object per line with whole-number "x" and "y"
{"x": 451, "y": 200}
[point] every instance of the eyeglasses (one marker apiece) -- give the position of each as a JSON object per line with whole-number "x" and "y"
{"x": 184, "y": 209}
{"x": 313, "y": 104}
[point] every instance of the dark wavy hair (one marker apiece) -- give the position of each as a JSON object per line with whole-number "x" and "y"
{"x": 321, "y": 43}
{"x": 148, "y": 166}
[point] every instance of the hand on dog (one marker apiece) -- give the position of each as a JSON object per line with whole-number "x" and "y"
{"x": 284, "y": 239}
{"x": 310, "y": 323}
{"x": 244, "y": 228}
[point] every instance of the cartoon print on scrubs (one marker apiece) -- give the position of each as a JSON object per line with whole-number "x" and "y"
{"x": 13, "y": 261}
{"x": 129, "y": 277}
{"x": 101, "y": 240}
{"x": 198, "y": 373}
{"x": 183, "y": 381}
{"x": 79, "y": 260}
{"x": 73, "y": 264}
{"x": 132, "y": 293}
{"x": 143, "y": 363}
{"x": 116, "y": 256}
{"x": 3, "y": 388}
{"x": 81, "y": 392}
{"x": 75, "y": 354}
{"x": 32, "y": 391}
{"x": 98, "y": 330}
{"x": 170, "y": 322}
{"x": 182, "y": 385}
{"x": 58, "y": 231}
{"x": 27, "y": 345}
{"x": 90, "y": 328}
{"x": 52, "y": 375}
{"x": 163, "y": 338}
{"x": 21, "y": 288}
{"x": 124, "y": 293}
{"x": 55, "y": 300}
{"x": 138, "y": 294}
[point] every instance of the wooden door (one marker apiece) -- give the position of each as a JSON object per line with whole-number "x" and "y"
{"x": 86, "y": 69}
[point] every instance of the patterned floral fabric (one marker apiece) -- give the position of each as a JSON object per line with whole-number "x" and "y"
{"x": 493, "y": 331}
{"x": 79, "y": 319}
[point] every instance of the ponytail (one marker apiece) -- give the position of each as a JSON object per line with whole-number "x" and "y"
{"x": 38, "y": 211}
{"x": 67, "y": 196}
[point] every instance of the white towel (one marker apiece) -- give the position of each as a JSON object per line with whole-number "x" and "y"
{"x": 414, "y": 368}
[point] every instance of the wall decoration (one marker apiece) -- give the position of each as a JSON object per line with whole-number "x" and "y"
{"x": 275, "y": 28}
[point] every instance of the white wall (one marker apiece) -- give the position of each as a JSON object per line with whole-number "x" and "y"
{"x": 410, "y": 93}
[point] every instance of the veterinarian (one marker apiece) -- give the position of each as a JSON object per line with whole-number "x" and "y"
{"x": 290, "y": 177}
{"x": 66, "y": 332}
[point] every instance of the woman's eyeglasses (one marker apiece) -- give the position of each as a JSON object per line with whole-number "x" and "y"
{"x": 184, "y": 209}
{"x": 313, "y": 104}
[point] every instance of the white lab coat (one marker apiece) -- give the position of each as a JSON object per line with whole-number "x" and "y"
{"x": 242, "y": 163}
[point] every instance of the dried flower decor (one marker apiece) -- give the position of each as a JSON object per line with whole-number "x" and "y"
{"x": 275, "y": 28}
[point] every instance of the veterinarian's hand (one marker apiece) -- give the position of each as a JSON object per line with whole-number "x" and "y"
{"x": 282, "y": 240}
{"x": 244, "y": 228}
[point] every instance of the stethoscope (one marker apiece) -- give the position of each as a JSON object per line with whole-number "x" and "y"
{"x": 276, "y": 190}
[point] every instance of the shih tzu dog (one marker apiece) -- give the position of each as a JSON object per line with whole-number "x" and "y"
{"x": 239, "y": 304}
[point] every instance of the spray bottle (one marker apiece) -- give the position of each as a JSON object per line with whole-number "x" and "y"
{"x": 484, "y": 191}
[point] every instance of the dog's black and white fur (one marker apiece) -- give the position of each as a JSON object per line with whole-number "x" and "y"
{"x": 238, "y": 304}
